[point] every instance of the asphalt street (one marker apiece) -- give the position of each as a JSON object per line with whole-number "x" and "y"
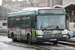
{"x": 4, "y": 45}
{"x": 7, "y": 44}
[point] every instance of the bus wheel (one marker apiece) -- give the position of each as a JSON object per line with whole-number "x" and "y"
{"x": 13, "y": 39}
{"x": 8, "y": 36}
{"x": 68, "y": 36}
{"x": 29, "y": 39}
{"x": 55, "y": 42}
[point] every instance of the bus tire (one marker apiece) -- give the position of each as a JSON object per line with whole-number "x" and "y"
{"x": 55, "y": 42}
{"x": 13, "y": 39}
{"x": 29, "y": 39}
{"x": 68, "y": 36}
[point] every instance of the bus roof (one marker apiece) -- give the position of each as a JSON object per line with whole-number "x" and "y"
{"x": 20, "y": 14}
{"x": 32, "y": 9}
{"x": 28, "y": 11}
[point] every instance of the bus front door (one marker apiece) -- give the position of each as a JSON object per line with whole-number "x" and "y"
{"x": 18, "y": 31}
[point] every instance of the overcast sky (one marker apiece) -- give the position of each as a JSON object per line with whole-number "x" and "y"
{"x": 0, "y": 2}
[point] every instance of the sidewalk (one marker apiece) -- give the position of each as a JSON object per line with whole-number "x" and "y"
{"x": 68, "y": 40}
{"x": 4, "y": 34}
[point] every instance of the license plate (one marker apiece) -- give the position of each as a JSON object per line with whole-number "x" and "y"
{"x": 53, "y": 39}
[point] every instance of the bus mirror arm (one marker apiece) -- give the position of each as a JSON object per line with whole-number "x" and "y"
{"x": 36, "y": 18}
{"x": 67, "y": 17}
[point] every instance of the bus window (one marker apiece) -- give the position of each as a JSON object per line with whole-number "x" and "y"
{"x": 11, "y": 23}
{"x": 28, "y": 22}
{"x": 23, "y": 22}
{"x": 33, "y": 22}
{"x": 17, "y": 23}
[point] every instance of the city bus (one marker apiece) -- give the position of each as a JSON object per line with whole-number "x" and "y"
{"x": 38, "y": 25}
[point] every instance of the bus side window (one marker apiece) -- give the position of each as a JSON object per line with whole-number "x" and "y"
{"x": 33, "y": 22}
{"x": 10, "y": 23}
{"x": 13, "y": 23}
{"x": 28, "y": 22}
{"x": 23, "y": 21}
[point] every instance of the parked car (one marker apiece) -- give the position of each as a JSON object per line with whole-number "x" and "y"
{"x": 72, "y": 26}
{"x": 70, "y": 34}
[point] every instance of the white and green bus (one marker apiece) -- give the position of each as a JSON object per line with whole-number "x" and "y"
{"x": 41, "y": 25}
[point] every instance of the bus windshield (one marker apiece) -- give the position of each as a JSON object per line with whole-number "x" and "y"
{"x": 51, "y": 22}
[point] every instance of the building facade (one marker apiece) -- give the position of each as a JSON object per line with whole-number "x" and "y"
{"x": 16, "y": 5}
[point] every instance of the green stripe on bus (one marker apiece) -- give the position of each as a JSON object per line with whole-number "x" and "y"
{"x": 33, "y": 33}
{"x": 37, "y": 33}
{"x": 36, "y": 12}
{"x": 21, "y": 14}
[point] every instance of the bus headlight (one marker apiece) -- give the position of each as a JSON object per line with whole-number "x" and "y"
{"x": 64, "y": 31}
{"x": 64, "y": 35}
{"x": 39, "y": 32}
{"x": 57, "y": 32}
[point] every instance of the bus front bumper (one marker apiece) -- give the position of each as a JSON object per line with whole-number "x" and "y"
{"x": 47, "y": 38}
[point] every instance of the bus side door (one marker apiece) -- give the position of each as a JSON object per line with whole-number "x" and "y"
{"x": 23, "y": 27}
{"x": 18, "y": 27}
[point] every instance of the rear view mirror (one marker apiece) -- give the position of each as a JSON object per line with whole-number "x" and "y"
{"x": 67, "y": 17}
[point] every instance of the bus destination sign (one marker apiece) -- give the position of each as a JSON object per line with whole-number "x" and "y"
{"x": 51, "y": 11}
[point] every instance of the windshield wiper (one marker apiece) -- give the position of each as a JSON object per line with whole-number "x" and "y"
{"x": 48, "y": 27}
{"x": 57, "y": 27}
